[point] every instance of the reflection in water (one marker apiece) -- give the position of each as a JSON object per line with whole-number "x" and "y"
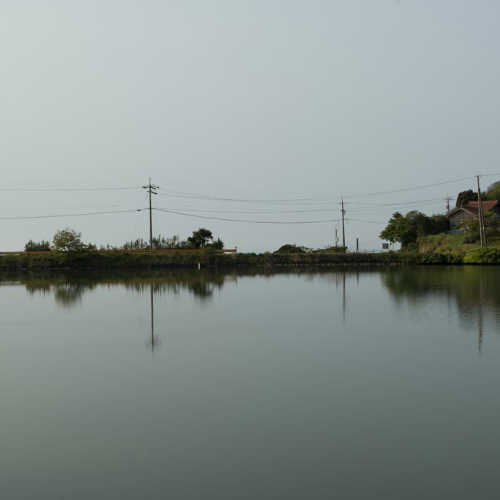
{"x": 155, "y": 339}
{"x": 262, "y": 367}
{"x": 476, "y": 291}
{"x": 68, "y": 290}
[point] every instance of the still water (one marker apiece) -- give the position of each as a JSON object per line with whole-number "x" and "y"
{"x": 373, "y": 384}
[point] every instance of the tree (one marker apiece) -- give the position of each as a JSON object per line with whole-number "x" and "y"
{"x": 465, "y": 196}
{"x": 37, "y": 246}
{"x": 406, "y": 229}
{"x": 68, "y": 240}
{"x": 440, "y": 224}
{"x": 200, "y": 238}
{"x": 493, "y": 191}
{"x": 399, "y": 230}
{"x": 218, "y": 244}
{"x": 471, "y": 228}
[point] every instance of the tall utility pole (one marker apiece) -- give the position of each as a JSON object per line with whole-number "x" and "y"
{"x": 343, "y": 224}
{"x": 448, "y": 199}
{"x": 482, "y": 232}
{"x": 151, "y": 189}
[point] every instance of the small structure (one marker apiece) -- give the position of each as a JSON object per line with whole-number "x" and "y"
{"x": 470, "y": 211}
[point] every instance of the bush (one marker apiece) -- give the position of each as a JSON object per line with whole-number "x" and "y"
{"x": 288, "y": 248}
{"x": 472, "y": 237}
{"x": 332, "y": 250}
{"x": 68, "y": 240}
{"x": 37, "y": 246}
{"x": 483, "y": 256}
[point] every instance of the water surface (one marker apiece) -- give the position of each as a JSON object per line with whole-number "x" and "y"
{"x": 374, "y": 384}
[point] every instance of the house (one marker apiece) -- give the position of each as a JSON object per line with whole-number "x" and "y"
{"x": 459, "y": 215}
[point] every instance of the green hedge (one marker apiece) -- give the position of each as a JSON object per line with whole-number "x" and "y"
{"x": 146, "y": 260}
{"x": 483, "y": 256}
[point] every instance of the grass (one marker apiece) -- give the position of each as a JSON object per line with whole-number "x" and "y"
{"x": 451, "y": 243}
{"x": 445, "y": 251}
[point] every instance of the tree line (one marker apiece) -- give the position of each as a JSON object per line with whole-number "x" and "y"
{"x": 406, "y": 229}
{"x": 69, "y": 240}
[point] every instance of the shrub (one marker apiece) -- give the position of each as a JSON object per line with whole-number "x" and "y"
{"x": 37, "y": 246}
{"x": 332, "y": 250}
{"x": 288, "y": 248}
{"x": 68, "y": 240}
{"x": 483, "y": 256}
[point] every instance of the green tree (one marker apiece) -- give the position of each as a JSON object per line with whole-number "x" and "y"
{"x": 68, "y": 240}
{"x": 399, "y": 230}
{"x": 493, "y": 191}
{"x": 218, "y": 244}
{"x": 37, "y": 246}
{"x": 465, "y": 196}
{"x": 200, "y": 238}
{"x": 406, "y": 229}
{"x": 440, "y": 224}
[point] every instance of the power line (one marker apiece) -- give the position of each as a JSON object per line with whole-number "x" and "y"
{"x": 83, "y": 214}
{"x": 392, "y": 204}
{"x": 189, "y": 195}
{"x": 354, "y": 207}
{"x": 225, "y": 219}
{"x": 414, "y": 188}
{"x": 254, "y": 212}
{"x": 240, "y": 200}
{"x": 367, "y": 221}
{"x": 49, "y": 190}
{"x": 319, "y": 199}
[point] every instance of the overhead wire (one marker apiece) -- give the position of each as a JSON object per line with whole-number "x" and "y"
{"x": 317, "y": 199}
{"x": 50, "y": 190}
{"x": 81, "y": 214}
{"x": 226, "y": 219}
{"x": 359, "y": 206}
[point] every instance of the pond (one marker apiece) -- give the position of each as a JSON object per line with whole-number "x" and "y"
{"x": 188, "y": 385}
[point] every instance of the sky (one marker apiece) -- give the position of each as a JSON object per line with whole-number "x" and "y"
{"x": 248, "y": 102}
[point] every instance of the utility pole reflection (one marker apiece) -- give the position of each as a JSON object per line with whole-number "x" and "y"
{"x": 480, "y": 314}
{"x": 343, "y": 297}
{"x": 154, "y": 341}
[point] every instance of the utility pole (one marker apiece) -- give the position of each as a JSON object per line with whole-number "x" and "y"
{"x": 448, "y": 199}
{"x": 482, "y": 232}
{"x": 151, "y": 189}
{"x": 343, "y": 225}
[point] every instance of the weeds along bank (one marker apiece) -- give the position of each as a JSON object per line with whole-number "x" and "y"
{"x": 147, "y": 260}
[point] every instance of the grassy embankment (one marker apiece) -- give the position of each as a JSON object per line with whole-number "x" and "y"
{"x": 460, "y": 251}
{"x": 102, "y": 260}
{"x": 435, "y": 249}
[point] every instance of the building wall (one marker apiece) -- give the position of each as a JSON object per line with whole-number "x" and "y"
{"x": 457, "y": 219}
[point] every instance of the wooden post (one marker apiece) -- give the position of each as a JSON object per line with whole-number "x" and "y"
{"x": 482, "y": 232}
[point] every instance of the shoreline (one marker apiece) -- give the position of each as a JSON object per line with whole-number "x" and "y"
{"x": 102, "y": 260}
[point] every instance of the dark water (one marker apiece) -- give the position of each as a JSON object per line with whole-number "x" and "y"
{"x": 382, "y": 384}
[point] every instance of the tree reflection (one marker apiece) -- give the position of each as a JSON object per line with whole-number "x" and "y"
{"x": 474, "y": 290}
{"x": 68, "y": 290}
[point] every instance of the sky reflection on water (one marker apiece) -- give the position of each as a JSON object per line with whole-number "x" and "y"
{"x": 356, "y": 384}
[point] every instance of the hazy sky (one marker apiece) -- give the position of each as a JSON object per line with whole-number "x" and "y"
{"x": 243, "y": 99}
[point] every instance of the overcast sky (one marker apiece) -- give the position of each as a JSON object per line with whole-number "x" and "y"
{"x": 243, "y": 99}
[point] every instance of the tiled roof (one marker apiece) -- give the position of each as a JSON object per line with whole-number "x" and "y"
{"x": 472, "y": 207}
{"x": 487, "y": 205}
